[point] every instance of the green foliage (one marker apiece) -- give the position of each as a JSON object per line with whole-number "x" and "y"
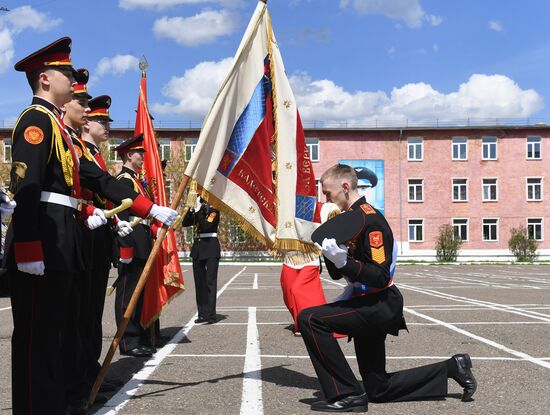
{"x": 523, "y": 247}
{"x": 447, "y": 246}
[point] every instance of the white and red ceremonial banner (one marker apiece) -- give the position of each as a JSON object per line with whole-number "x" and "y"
{"x": 166, "y": 279}
{"x": 251, "y": 157}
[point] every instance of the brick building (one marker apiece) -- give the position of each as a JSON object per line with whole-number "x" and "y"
{"x": 482, "y": 180}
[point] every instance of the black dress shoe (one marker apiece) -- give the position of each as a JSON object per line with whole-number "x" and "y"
{"x": 352, "y": 403}
{"x": 464, "y": 377}
{"x": 201, "y": 320}
{"x": 138, "y": 352}
{"x": 107, "y": 386}
{"x": 79, "y": 407}
{"x": 114, "y": 381}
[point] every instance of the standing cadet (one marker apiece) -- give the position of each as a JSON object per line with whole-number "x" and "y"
{"x": 134, "y": 250}
{"x": 374, "y": 310}
{"x": 206, "y": 258}
{"x": 43, "y": 249}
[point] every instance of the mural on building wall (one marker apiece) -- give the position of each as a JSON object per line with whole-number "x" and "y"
{"x": 370, "y": 174}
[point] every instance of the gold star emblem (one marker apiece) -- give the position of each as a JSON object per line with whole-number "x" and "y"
{"x": 212, "y": 181}
{"x": 251, "y": 209}
{"x": 288, "y": 165}
{"x": 288, "y": 225}
{"x": 286, "y": 103}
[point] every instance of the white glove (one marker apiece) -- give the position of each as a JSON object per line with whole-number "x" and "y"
{"x": 125, "y": 260}
{"x": 7, "y": 206}
{"x": 123, "y": 228}
{"x": 338, "y": 255}
{"x": 198, "y": 205}
{"x": 32, "y": 267}
{"x": 96, "y": 220}
{"x": 164, "y": 214}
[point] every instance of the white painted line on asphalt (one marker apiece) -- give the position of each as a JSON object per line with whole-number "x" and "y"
{"x": 351, "y": 357}
{"x": 481, "y": 323}
{"x": 6, "y": 308}
{"x": 252, "y": 403}
{"x": 121, "y": 398}
{"x": 492, "y": 343}
{"x": 255, "y": 283}
{"x": 486, "y": 304}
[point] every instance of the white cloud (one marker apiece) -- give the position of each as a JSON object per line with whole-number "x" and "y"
{"x": 495, "y": 25}
{"x": 16, "y": 21}
{"x": 482, "y": 96}
{"x": 195, "y": 90}
{"x": 391, "y": 51}
{"x": 164, "y": 4}
{"x": 117, "y": 66}
{"x": 200, "y": 29}
{"x": 409, "y": 11}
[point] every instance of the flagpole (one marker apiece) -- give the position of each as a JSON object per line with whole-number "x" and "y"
{"x": 135, "y": 296}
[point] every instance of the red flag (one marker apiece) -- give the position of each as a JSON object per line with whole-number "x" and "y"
{"x": 166, "y": 279}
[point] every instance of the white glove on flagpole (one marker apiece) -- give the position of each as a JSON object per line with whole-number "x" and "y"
{"x": 163, "y": 214}
{"x": 123, "y": 228}
{"x": 96, "y": 220}
{"x": 338, "y": 255}
{"x": 7, "y": 206}
{"x": 32, "y": 267}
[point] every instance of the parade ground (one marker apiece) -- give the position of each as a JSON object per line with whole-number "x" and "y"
{"x": 250, "y": 363}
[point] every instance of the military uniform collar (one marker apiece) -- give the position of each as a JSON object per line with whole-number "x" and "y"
{"x": 36, "y": 100}
{"x": 91, "y": 145}
{"x": 72, "y": 131}
{"x": 129, "y": 171}
{"x": 358, "y": 202}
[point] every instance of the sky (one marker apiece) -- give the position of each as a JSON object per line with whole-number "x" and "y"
{"x": 356, "y": 61}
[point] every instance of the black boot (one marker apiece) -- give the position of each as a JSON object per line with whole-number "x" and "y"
{"x": 464, "y": 375}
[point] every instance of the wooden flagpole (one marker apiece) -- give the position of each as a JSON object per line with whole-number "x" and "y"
{"x": 135, "y": 296}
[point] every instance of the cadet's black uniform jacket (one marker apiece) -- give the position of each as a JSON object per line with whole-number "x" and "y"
{"x": 205, "y": 221}
{"x": 375, "y": 311}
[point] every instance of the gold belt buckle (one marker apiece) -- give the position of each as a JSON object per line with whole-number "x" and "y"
{"x": 79, "y": 205}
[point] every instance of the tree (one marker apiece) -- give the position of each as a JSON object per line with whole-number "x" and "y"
{"x": 522, "y": 246}
{"x": 447, "y": 246}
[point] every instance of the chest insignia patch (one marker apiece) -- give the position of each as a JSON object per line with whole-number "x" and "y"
{"x": 211, "y": 217}
{"x": 376, "y": 240}
{"x": 33, "y": 135}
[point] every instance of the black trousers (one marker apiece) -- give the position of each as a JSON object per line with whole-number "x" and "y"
{"x": 333, "y": 371}
{"x": 128, "y": 276}
{"x": 205, "y": 273}
{"x": 41, "y": 311}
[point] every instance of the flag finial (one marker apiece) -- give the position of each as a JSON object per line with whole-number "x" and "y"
{"x": 143, "y": 65}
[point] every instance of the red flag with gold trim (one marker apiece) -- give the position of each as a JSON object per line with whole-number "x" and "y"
{"x": 165, "y": 280}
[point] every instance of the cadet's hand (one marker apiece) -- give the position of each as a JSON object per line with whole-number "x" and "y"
{"x": 338, "y": 255}
{"x": 163, "y": 214}
{"x": 96, "y": 220}
{"x": 123, "y": 228}
{"x": 32, "y": 267}
{"x": 7, "y": 205}
{"x": 125, "y": 260}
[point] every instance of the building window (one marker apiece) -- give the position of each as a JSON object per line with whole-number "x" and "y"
{"x": 460, "y": 148}
{"x": 313, "y": 148}
{"x": 416, "y": 230}
{"x": 489, "y": 148}
{"x": 490, "y": 190}
{"x": 319, "y": 190}
{"x": 460, "y": 229}
{"x": 460, "y": 190}
{"x": 165, "y": 152}
{"x": 416, "y": 190}
{"x": 113, "y": 144}
{"x": 490, "y": 229}
{"x": 190, "y": 145}
{"x": 534, "y": 229}
{"x": 7, "y": 150}
{"x": 534, "y": 189}
{"x": 415, "y": 146}
{"x": 168, "y": 190}
{"x": 533, "y": 148}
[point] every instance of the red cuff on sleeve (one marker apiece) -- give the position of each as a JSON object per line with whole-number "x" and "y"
{"x": 28, "y": 251}
{"x": 87, "y": 211}
{"x": 141, "y": 206}
{"x": 126, "y": 253}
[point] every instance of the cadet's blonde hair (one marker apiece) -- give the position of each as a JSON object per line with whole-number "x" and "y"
{"x": 341, "y": 171}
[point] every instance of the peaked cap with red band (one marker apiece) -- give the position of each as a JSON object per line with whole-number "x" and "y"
{"x": 132, "y": 144}
{"x": 99, "y": 107}
{"x": 55, "y": 55}
{"x": 80, "y": 91}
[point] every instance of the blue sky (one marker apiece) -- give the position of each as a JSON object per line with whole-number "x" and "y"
{"x": 348, "y": 60}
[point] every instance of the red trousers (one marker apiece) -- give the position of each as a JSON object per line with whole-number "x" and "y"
{"x": 301, "y": 289}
